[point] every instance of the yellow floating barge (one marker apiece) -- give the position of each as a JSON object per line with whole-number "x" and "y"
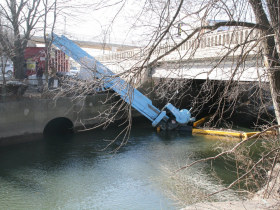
{"x": 242, "y": 135}
{"x": 267, "y": 133}
{"x": 201, "y": 121}
{"x": 236, "y": 134}
{"x": 216, "y": 132}
{"x": 228, "y": 133}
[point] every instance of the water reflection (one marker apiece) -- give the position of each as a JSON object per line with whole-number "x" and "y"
{"x": 71, "y": 172}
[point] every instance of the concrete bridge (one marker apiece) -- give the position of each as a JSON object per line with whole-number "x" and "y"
{"x": 91, "y": 44}
{"x": 209, "y": 48}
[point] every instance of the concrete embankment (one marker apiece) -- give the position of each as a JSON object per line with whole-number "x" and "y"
{"x": 21, "y": 121}
{"x": 30, "y": 117}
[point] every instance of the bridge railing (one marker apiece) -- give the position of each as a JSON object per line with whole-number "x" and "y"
{"x": 206, "y": 41}
{"x": 129, "y": 54}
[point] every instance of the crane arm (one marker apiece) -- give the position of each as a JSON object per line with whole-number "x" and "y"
{"x": 131, "y": 95}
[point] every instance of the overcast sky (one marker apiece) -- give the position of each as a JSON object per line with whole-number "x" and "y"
{"x": 125, "y": 21}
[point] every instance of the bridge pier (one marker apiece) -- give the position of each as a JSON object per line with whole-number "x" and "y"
{"x": 242, "y": 97}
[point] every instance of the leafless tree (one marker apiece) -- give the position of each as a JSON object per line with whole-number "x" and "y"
{"x": 251, "y": 38}
{"x": 159, "y": 20}
{"x": 24, "y": 18}
{"x": 53, "y": 6}
{"x": 262, "y": 38}
{"x": 20, "y": 17}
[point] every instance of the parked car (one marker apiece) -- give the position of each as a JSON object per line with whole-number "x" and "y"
{"x": 9, "y": 68}
{"x": 74, "y": 70}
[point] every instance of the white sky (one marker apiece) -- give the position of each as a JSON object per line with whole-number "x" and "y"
{"x": 91, "y": 19}
{"x": 91, "y": 24}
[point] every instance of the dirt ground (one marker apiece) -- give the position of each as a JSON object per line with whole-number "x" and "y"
{"x": 266, "y": 198}
{"x": 237, "y": 205}
{"x": 22, "y": 92}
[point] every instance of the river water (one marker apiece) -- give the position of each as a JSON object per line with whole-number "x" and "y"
{"x": 73, "y": 173}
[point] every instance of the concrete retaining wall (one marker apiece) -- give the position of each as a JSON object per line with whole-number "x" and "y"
{"x": 30, "y": 117}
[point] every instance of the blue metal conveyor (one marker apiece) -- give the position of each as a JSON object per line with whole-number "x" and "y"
{"x": 168, "y": 119}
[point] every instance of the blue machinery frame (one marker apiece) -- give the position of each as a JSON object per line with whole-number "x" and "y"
{"x": 168, "y": 119}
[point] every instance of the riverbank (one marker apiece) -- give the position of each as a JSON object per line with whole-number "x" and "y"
{"x": 267, "y": 198}
{"x": 237, "y": 205}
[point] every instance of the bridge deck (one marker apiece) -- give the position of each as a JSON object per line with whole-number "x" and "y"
{"x": 91, "y": 44}
{"x": 209, "y": 49}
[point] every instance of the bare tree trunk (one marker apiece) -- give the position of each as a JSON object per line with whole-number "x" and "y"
{"x": 270, "y": 50}
{"x": 273, "y": 73}
{"x": 3, "y": 66}
{"x": 18, "y": 61}
{"x": 274, "y": 83}
{"x": 48, "y": 43}
{"x": 22, "y": 17}
{"x": 18, "y": 57}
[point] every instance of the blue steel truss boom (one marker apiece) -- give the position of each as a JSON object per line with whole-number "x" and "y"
{"x": 168, "y": 119}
